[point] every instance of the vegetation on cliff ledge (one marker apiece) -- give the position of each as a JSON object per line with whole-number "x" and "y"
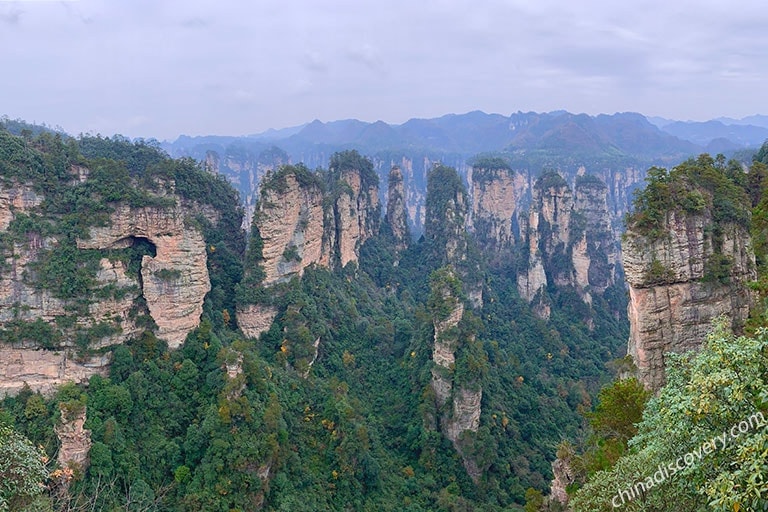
{"x": 327, "y": 409}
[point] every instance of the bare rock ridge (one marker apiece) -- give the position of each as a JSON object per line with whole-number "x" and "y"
{"x": 305, "y": 219}
{"x": 397, "y": 213}
{"x": 673, "y": 297}
{"x": 459, "y": 402}
{"x": 568, "y": 240}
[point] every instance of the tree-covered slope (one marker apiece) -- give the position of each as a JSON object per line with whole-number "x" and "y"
{"x": 331, "y": 408}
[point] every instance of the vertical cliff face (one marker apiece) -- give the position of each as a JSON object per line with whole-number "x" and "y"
{"x": 397, "y": 213}
{"x": 14, "y": 199}
{"x": 554, "y": 201}
{"x": 532, "y": 279}
{"x": 290, "y": 219}
{"x": 458, "y": 402}
{"x": 688, "y": 258}
{"x": 174, "y": 281}
{"x": 356, "y": 214}
{"x": 496, "y": 193}
{"x": 303, "y": 219}
{"x": 568, "y": 240}
{"x": 673, "y": 296}
{"x": 595, "y": 252}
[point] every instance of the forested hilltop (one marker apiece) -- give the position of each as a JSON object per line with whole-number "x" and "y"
{"x": 390, "y": 374}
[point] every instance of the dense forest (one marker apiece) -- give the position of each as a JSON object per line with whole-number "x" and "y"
{"x": 226, "y": 422}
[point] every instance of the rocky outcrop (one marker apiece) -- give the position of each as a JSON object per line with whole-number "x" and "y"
{"x": 174, "y": 281}
{"x": 674, "y": 294}
{"x": 255, "y": 319}
{"x": 304, "y": 219}
{"x": 496, "y": 193}
{"x": 21, "y": 300}
{"x": 44, "y": 332}
{"x": 563, "y": 477}
{"x": 16, "y": 199}
{"x": 356, "y": 215}
{"x": 595, "y": 252}
{"x": 397, "y": 213}
{"x": 44, "y": 370}
{"x": 459, "y": 402}
{"x": 568, "y": 240}
{"x": 532, "y": 279}
{"x": 74, "y": 439}
{"x": 290, "y": 220}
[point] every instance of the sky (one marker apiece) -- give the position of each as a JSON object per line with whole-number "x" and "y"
{"x": 160, "y": 68}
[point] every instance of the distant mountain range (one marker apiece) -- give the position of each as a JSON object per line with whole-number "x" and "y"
{"x": 626, "y": 135}
{"x": 553, "y": 135}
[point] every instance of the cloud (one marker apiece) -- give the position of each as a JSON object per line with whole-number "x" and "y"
{"x": 234, "y": 64}
{"x": 10, "y": 15}
{"x": 314, "y": 62}
{"x": 195, "y": 23}
{"x": 368, "y": 56}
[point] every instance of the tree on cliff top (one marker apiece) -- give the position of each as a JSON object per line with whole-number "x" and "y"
{"x": 351, "y": 160}
{"x": 694, "y": 186}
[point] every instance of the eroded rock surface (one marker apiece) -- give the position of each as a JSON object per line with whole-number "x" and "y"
{"x": 397, "y": 212}
{"x": 460, "y": 403}
{"x": 175, "y": 280}
{"x": 44, "y": 370}
{"x": 672, "y": 299}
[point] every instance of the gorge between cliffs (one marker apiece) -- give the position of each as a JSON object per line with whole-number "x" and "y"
{"x": 359, "y": 334}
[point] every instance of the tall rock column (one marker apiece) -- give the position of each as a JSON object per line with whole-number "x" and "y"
{"x": 288, "y": 235}
{"x": 397, "y": 213}
{"x": 687, "y": 259}
{"x": 445, "y": 229}
{"x": 356, "y": 213}
{"x": 306, "y": 218}
{"x": 594, "y": 251}
{"x": 495, "y": 191}
{"x": 458, "y": 402}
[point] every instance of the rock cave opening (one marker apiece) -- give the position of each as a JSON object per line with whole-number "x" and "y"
{"x": 137, "y": 247}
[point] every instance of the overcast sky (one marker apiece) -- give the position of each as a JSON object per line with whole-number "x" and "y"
{"x": 155, "y": 68}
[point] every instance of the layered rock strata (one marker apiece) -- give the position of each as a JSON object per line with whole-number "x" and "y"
{"x": 44, "y": 370}
{"x": 175, "y": 280}
{"x": 460, "y": 403}
{"x": 397, "y": 212}
{"x": 672, "y": 299}
{"x": 302, "y": 221}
